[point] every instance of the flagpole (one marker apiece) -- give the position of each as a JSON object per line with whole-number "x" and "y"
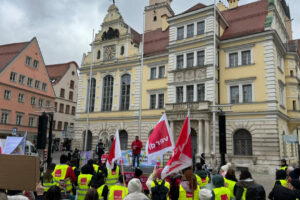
{"x": 122, "y": 167}
{"x": 89, "y": 98}
{"x": 214, "y": 83}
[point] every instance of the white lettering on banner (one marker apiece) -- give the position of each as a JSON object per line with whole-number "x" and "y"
{"x": 160, "y": 142}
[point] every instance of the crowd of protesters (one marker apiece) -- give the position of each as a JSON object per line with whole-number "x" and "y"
{"x": 94, "y": 181}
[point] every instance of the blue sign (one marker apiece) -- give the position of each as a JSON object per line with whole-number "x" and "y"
{"x": 14, "y": 131}
{"x": 290, "y": 138}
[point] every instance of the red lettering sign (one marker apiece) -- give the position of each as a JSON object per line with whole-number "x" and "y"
{"x": 83, "y": 181}
{"x": 189, "y": 195}
{"x": 224, "y": 197}
{"x": 113, "y": 172}
{"x": 118, "y": 195}
{"x": 58, "y": 173}
{"x": 203, "y": 180}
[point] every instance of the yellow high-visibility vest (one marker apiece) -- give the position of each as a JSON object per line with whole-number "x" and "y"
{"x": 112, "y": 177}
{"x": 100, "y": 191}
{"x": 48, "y": 184}
{"x": 222, "y": 193}
{"x": 83, "y": 185}
{"x": 202, "y": 182}
{"x": 59, "y": 174}
{"x": 117, "y": 192}
{"x": 231, "y": 185}
{"x": 183, "y": 195}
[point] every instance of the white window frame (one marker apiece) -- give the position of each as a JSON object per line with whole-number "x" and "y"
{"x": 185, "y": 25}
{"x": 7, "y": 112}
{"x": 241, "y": 96}
{"x": 156, "y": 93}
{"x": 239, "y": 52}
{"x": 280, "y": 63}
{"x": 150, "y": 74}
{"x": 33, "y": 101}
{"x": 184, "y": 54}
{"x": 7, "y": 94}
{"x": 21, "y": 98}
{"x": 19, "y": 121}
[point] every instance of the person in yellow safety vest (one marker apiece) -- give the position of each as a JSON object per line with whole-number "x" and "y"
{"x": 230, "y": 181}
{"x": 157, "y": 186}
{"x": 281, "y": 177}
{"x": 100, "y": 186}
{"x": 201, "y": 176}
{"x": 48, "y": 180}
{"x": 188, "y": 188}
{"x": 283, "y": 165}
{"x": 241, "y": 186}
{"x": 84, "y": 180}
{"x": 118, "y": 191}
{"x": 220, "y": 192}
{"x": 64, "y": 174}
{"x": 112, "y": 176}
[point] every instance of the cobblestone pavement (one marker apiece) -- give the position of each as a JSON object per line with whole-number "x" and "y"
{"x": 266, "y": 180}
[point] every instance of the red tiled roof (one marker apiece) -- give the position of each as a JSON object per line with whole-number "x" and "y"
{"x": 195, "y": 7}
{"x": 156, "y": 42}
{"x": 57, "y": 71}
{"x": 9, "y": 52}
{"x": 136, "y": 36}
{"x": 245, "y": 20}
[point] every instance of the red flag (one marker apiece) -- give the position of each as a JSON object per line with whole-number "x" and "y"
{"x": 182, "y": 154}
{"x": 161, "y": 139}
{"x": 115, "y": 152}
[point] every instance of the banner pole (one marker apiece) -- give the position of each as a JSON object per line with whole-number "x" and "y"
{"x": 123, "y": 172}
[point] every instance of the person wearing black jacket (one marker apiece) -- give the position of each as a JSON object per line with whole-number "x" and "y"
{"x": 294, "y": 185}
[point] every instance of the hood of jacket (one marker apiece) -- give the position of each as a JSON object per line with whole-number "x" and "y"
{"x": 186, "y": 186}
{"x": 245, "y": 183}
{"x": 136, "y": 196}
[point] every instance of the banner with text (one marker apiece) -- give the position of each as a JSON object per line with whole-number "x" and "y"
{"x": 144, "y": 161}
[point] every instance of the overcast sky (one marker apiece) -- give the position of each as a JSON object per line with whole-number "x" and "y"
{"x": 64, "y": 27}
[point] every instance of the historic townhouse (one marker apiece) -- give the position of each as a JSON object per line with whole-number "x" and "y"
{"x": 254, "y": 79}
{"x": 64, "y": 79}
{"x": 25, "y": 88}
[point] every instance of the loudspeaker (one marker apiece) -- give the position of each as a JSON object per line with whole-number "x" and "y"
{"x": 222, "y": 133}
{"x": 42, "y": 132}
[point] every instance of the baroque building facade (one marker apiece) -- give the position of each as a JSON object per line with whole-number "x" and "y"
{"x": 254, "y": 80}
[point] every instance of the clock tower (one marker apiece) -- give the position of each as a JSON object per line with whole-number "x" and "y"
{"x": 154, "y": 13}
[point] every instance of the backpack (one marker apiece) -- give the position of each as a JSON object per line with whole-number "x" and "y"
{"x": 159, "y": 191}
{"x": 255, "y": 192}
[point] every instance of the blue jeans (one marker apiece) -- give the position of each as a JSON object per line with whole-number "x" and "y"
{"x": 136, "y": 157}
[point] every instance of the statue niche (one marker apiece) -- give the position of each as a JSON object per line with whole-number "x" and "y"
{"x": 110, "y": 34}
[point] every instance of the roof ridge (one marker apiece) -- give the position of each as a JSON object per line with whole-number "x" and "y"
{"x": 11, "y": 44}
{"x": 244, "y": 5}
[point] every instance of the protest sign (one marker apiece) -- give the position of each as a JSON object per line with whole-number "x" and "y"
{"x": 15, "y": 145}
{"x": 19, "y": 172}
{"x": 85, "y": 156}
{"x": 144, "y": 161}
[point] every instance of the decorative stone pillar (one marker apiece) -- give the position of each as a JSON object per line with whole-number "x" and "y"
{"x": 207, "y": 138}
{"x": 200, "y": 136}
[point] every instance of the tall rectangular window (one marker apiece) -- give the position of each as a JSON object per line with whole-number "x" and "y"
{"x": 190, "y": 60}
{"x": 91, "y": 99}
{"x": 67, "y": 109}
{"x": 125, "y": 92}
{"x": 35, "y": 64}
{"x": 59, "y": 125}
{"x": 19, "y": 119}
{"x": 41, "y": 102}
{"x": 189, "y": 93}
{"x": 29, "y": 82}
{"x": 55, "y": 106}
{"x": 161, "y": 101}
{"x": 246, "y": 57}
{"x": 61, "y": 108}
{"x": 281, "y": 93}
{"x": 200, "y": 28}
{"x": 71, "y": 84}
{"x": 179, "y": 94}
{"x": 5, "y": 117}
{"x": 161, "y": 72}
{"x": 21, "y": 98}
{"x": 200, "y": 58}
{"x": 71, "y": 96}
{"x": 21, "y": 79}
{"x": 73, "y": 110}
{"x": 7, "y": 94}
{"x": 153, "y": 73}
{"x": 152, "y": 101}
{"x": 180, "y": 33}
{"x": 13, "y": 76}
{"x": 44, "y": 87}
{"x": 31, "y": 121}
{"x": 247, "y": 93}
{"x": 28, "y": 60}
{"x": 179, "y": 62}
{"x": 200, "y": 92}
{"x": 294, "y": 106}
{"x": 233, "y": 59}
{"x": 190, "y": 30}
{"x": 37, "y": 84}
{"x": 279, "y": 61}
{"x": 48, "y": 103}
{"x": 33, "y": 101}
{"x": 108, "y": 88}
{"x": 234, "y": 94}
{"x": 62, "y": 93}
{"x": 65, "y": 126}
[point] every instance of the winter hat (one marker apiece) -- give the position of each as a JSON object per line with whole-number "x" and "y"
{"x": 205, "y": 194}
{"x": 296, "y": 183}
{"x": 201, "y": 173}
{"x": 218, "y": 181}
{"x": 158, "y": 173}
{"x": 134, "y": 185}
{"x": 225, "y": 168}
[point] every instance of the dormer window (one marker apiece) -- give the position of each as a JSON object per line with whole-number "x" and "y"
{"x": 98, "y": 54}
{"x": 122, "y": 50}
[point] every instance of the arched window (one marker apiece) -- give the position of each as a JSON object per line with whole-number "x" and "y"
{"x": 91, "y": 98}
{"x": 242, "y": 143}
{"x": 154, "y": 18}
{"x": 125, "y": 92}
{"x": 105, "y": 138}
{"x": 123, "y": 140}
{"x": 89, "y": 140}
{"x": 107, "y": 95}
{"x": 122, "y": 50}
{"x": 98, "y": 54}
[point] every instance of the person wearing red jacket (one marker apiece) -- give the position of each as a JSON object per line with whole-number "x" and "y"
{"x": 136, "y": 147}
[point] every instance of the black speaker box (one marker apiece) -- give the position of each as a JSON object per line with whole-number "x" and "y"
{"x": 222, "y": 133}
{"x": 42, "y": 132}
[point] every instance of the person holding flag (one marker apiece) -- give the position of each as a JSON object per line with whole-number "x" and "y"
{"x": 114, "y": 155}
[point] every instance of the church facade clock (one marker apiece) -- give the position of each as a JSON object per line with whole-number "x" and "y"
{"x": 109, "y": 52}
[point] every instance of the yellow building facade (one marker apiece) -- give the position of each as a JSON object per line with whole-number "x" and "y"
{"x": 252, "y": 74}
